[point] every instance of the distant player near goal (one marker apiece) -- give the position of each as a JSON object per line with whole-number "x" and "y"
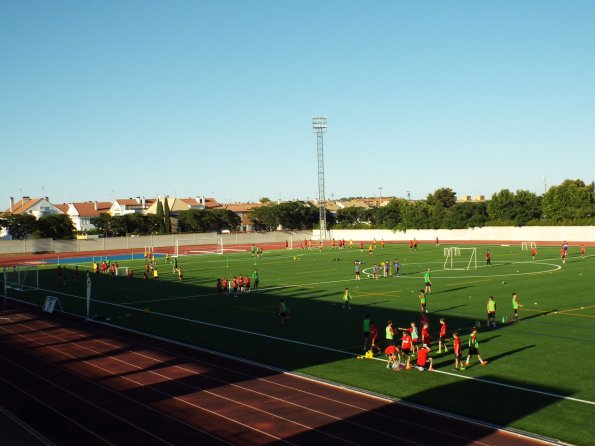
{"x": 428, "y": 281}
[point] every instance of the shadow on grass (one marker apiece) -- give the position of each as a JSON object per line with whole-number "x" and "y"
{"x": 477, "y": 399}
{"x": 248, "y": 326}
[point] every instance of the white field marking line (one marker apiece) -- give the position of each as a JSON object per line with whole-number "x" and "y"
{"x": 358, "y": 391}
{"x": 196, "y": 388}
{"x": 556, "y": 268}
{"x": 126, "y": 378}
{"x": 39, "y": 437}
{"x": 352, "y": 354}
{"x": 53, "y": 409}
{"x": 218, "y": 366}
{"x": 63, "y": 389}
{"x": 510, "y": 386}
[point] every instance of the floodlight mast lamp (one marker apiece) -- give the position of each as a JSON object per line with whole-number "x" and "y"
{"x": 319, "y": 126}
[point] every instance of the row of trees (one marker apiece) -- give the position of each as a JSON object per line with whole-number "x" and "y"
{"x": 60, "y": 227}
{"x": 55, "y": 226}
{"x": 570, "y": 203}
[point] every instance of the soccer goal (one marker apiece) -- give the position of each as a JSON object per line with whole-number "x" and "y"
{"x": 192, "y": 246}
{"x": 21, "y": 277}
{"x": 460, "y": 258}
{"x": 525, "y": 246}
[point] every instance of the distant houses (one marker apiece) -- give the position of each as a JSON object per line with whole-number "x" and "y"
{"x": 37, "y": 207}
{"x": 82, "y": 213}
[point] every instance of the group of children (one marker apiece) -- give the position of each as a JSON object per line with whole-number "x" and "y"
{"x": 415, "y": 344}
{"x": 61, "y": 273}
{"x": 105, "y": 267}
{"x": 383, "y": 267}
{"x": 256, "y": 251}
{"x": 564, "y": 251}
{"x": 238, "y": 285}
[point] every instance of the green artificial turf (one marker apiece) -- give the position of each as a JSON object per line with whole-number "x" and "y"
{"x": 550, "y": 350}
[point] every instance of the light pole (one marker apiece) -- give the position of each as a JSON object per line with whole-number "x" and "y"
{"x": 380, "y": 196}
{"x": 319, "y": 126}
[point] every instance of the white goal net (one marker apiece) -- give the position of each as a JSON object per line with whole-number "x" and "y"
{"x": 460, "y": 258}
{"x": 21, "y": 277}
{"x": 525, "y": 246}
{"x": 193, "y": 246}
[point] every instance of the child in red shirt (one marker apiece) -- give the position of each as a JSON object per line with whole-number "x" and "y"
{"x": 373, "y": 338}
{"x": 442, "y": 336}
{"x": 456, "y": 346}
{"x": 425, "y": 334}
{"x": 423, "y": 359}
{"x": 406, "y": 345}
{"x": 390, "y": 352}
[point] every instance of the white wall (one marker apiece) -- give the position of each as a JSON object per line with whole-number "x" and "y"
{"x": 551, "y": 234}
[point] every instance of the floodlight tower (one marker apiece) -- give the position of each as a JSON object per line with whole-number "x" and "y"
{"x": 319, "y": 127}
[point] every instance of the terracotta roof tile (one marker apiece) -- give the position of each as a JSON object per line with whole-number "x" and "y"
{"x": 87, "y": 209}
{"x": 20, "y": 207}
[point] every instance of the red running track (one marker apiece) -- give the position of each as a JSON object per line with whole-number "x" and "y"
{"x": 86, "y": 384}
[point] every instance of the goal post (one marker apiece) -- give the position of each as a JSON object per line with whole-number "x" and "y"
{"x": 191, "y": 246}
{"x": 21, "y": 277}
{"x": 525, "y": 246}
{"x": 460, "y": 258}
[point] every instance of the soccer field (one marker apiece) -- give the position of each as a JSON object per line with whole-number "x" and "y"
{"x": 539, "y": 375}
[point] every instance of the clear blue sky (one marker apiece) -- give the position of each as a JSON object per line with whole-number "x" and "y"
{"x": 111, "y": 99}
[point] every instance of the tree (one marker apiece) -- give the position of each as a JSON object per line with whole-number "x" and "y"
{"x": 19, "y": 226}
{"x": 265, "y": 218}
{"x": 103, "y": 223}
{"x": 416, "y": 215}
{"x": 166, "y": 216}
{"x": 265, "y": 200}
{"x": 466, "y": 215}
{"x": 517, "y": 208}
{"x": 444, "y": 197}
{"x": 389, "y": 216}
{"x": 160, "y": 216}
{"x": 573, "y": 199}
{"x": 501, "y": 207}
{"x": 296, "y": 215}
{"x": 56, "y": 226}
{"x": 350, "y": 215}
{"x": 202, "y": 220}
{"x": 527, "y": 207}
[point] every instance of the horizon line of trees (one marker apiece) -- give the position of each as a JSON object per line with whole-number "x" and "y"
{"x": 570, "y": 203}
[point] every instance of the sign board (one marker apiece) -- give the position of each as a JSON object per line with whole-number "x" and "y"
{"x": 49, "y": 304}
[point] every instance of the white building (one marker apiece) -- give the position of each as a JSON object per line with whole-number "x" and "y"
{"x": 81, "y": 214}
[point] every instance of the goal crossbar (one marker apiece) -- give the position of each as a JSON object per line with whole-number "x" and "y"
{"x": 190, "y": 246}
{"x": 21, "y": 277}
{"x": 466, "y": 258}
